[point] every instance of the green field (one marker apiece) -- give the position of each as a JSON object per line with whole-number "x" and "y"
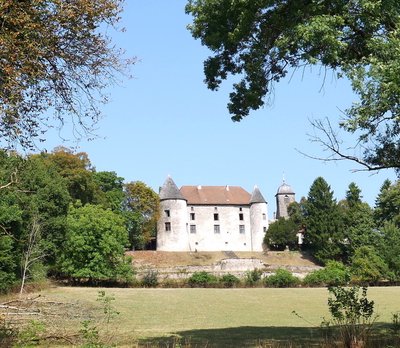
{"x": 214, "y": 317}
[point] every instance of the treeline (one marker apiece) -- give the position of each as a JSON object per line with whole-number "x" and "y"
{"x": 61, "y": 217}
{"x": 363, "y": 239}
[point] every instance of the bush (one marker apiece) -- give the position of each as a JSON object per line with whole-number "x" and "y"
{"x": 334, "y": 274}
{"x": 282, "y": 279}
{"x": 202, "y": 280}
{"x": 253, "y": 277}
{"x": 352, "y": 315}
{"x": 150, "y": 279}
{"x": 229, "y": 280}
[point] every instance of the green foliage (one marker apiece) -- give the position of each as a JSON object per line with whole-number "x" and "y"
{"x": 108, "y": 308}
{"x": 281, "y": 279}
{"x": 229, "y": 280}
{"x": 388, "y": 204}
{"x": 150, "y": 279}
{"x": 358, "y": 223}
{"x": 352, "y": 313}
{"x": 94, "y": 246}
{"x": 143, "y": 205}
{"x": 90, "y": 335}
{"x": 111, "y": 186}
{"x": 389, "y": 248}
{"x": 253, "y": 277}
{"x": 7, "y": 263}
{"x": 368, "y": 266}
{"x": 202, "y": 280}
{"x": 333, "y": 274}
{"x": 281, "y": 233}
{"x": 31, "y": 334}
{"x": 323, "y": 234}
{"x": 262, "y": 41}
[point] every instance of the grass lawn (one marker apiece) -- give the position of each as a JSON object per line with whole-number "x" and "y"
{"x": 216, "y": 317}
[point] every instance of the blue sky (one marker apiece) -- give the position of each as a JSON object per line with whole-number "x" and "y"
{"x": 165, "y": 121}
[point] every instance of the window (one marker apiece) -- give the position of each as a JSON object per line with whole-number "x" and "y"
{"x": 241, "y": 217}
{"x": 216, "y": 217}
{"x": 168, "y": 226}
{"x": 215, "y": 209}
{"x": 192, "y": 216}
{"x": 192, "y": 228}
{"x": 216, "y": 229}
{"x": 241, "y": 229}
{"x": 167, "y": 213}
{"x": 264, "y": 217}
{"x": 265, "y": 229}
{"x": 192, "y": 208}
{"x": 240, "y": 209}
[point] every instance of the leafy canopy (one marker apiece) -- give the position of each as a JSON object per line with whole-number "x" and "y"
{"x": 55, "y": 61}
{"x": 262, "y": 40}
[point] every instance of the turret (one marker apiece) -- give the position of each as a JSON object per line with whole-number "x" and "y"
{"x": 172, "y": 233}
{"x": 258, "y": 219}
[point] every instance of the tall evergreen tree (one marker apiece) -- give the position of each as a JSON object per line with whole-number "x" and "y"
{"x": 358, "y": 223}
{"x": 387, "y": 207}
{"x": 323, "y": 234}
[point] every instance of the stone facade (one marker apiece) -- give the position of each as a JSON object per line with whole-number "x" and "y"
{"x": 211, "y": 218}
{"x": 284, "y": 197}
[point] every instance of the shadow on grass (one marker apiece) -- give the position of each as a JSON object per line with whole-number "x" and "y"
{"x": 262, "y": 337}
{"x": 244, "y": 336}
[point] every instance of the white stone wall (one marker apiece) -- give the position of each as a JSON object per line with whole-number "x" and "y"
{"x": 177, "y": 239}
{"x": 259, "y": 224}
{"x": 229, "y": 236}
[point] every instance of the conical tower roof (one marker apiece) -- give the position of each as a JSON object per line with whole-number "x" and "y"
{"x": 170, "y": 191}
{"x": 256, "y": 196}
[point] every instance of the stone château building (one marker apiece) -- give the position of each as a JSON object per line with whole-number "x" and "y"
{"x": 211, "y": 218}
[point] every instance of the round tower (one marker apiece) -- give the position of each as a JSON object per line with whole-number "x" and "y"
{"x": 258, "y": 219}
{"x": 284, "y": 196}
{"x": 172, "y": 234}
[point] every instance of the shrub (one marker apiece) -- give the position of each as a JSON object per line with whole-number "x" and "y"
{"x": 282, "y": 279}
{"x": 150, "y": 279}
{"x": 352, "y": 313}
{"x": 229, "y": 280}
{"x": 253, "y": 277}
{"x": 335, "y": 273}
{"x": 202, "y": 280}
{"x": 367, "y": 266}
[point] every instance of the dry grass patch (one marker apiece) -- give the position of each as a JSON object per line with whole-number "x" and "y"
{"x": 162, "y": 259}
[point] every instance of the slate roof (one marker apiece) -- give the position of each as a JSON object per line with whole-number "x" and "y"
{"x": 170, "y": 191}
{"x": 256, "y": 196}
{"x": 215, "y": 195}
{"x": 285, "y": 189}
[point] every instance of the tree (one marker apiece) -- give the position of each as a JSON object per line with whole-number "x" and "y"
{"x": 323, "y": 226}
{"x": 56, "y": 61}
{"x": 261, "y": 41}
{"x": 367, "y": 265}
{"x": 389, "y": 247}
{"x": 112, "y": 187}
{"x": 78, "y": 172}
{"x": 143, "y": 205}
{"x": 358, "y": 223}
{"x": 387, "y": 206}
{"x": 94, "y": 246}
{"x": 281, "y": 233}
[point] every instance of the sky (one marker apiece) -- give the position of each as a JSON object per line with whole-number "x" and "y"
{"x": 164, "y": 121}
